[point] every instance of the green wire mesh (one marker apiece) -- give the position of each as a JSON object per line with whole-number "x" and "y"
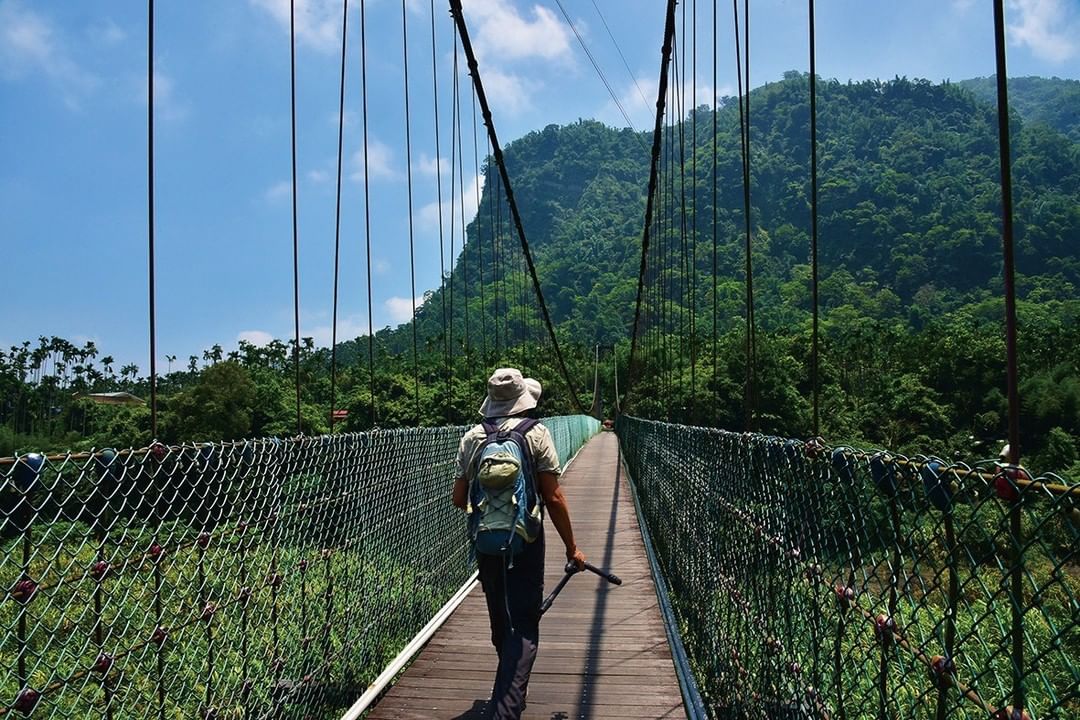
{"x": 811, "y": 581}
{"x": 264, "y": 578}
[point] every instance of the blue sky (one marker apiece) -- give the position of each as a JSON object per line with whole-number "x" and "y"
{"x": 73, "y": 139}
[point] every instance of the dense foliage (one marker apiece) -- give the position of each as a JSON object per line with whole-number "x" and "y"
{"x": 910, "y": 294}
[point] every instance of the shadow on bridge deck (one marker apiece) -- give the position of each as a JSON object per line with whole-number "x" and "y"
{"x": 603, "y": 651}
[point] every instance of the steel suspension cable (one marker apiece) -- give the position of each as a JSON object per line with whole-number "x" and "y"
{"x": 158, "y": 577}
{"x": 408, "y": 176}
{"x": 815, "y": 357}
{"x": 295, "y": 221}
{"x": 650, "y": 195}
{"x": 667, "y": 252}
{"x": 1016, "y": 571}
{"x": 495, "y": 251}
{"x": 367, "y": 209}
{"x": 669, "y": 289}
{"x": 744, "y": 128}
{"x": 150, "y": 217}
{"x": 684, "y": 239}
{"x": 663, "y": 249}
{"x": 438, "y": 185}
{"x": 453, "y": 206}
{"x": 459, "y": 18}
{"x": 693, "y": 213}
{"x": 715, "y": 173}
{"x": 599, "y": 71}
{"x": 1012, "y": 373}
{"x": 677, "y": 237}
{"x": 464, "y": 235}
{"x": 479, "y": 240}
{"x": 618, "y": 49}
{"x": 752, "y": 308}
{"x": 522, "y": 302}
{"x": 337, "y": 213}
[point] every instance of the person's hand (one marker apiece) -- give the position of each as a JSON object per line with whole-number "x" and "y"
{"x": 577, "y": 557}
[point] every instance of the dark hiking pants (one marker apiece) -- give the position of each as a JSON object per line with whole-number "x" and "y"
{"x": 513, "y": 597}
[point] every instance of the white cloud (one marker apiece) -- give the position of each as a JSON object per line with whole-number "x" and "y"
{"x": 29, "y": 44}
{"x": 318, "y": 22}
{"x": 255, "y": 337}
{"x": 962, "y": 6}
{"x": 644, "y": 115}
{"x": 430, "y": 166}
{"x": 166, "y": 104}
{"x": 1047, "y": 27}
{"x": 380, "y": 266}
{"x": 278, "y": 191}
{"x": 502, "y": 32}
{"x": 318, "y": 176}
{"x": 400, "y": 309}
{"x": 428, "y": 215}
{"x": 380, "y": 162}
{"x": 107, "y": 33}
{"x": 512, "y": 92}
{"x": 348, "y": 328}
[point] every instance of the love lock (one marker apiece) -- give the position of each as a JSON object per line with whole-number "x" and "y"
{"x": 845, "y": 594}
{"x": 884, "y": 627}
{"x": 24, "y": 591}
{"x": 939, "y": 490}
{"x": 883, "y": 471}
{"x": 27, "y": 700}
{"x": 942, "y": 671}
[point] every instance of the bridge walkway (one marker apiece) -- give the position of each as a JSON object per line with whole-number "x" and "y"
{"x": 603, "y": 650}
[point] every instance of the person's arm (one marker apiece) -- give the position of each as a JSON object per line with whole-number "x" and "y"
{"x": 557, "y": 509}
{"x": 461, "y": 492}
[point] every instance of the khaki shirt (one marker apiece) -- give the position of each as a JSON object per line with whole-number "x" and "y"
{"x": 541, "y": 446}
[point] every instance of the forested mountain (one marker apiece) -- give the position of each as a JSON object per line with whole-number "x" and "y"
{"x": 1051, "y": 101}
{"x": 910, "y": 242}
{"x": 909, "y": 205}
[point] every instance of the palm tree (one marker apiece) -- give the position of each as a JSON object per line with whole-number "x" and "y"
{"x": 129, "y": 372}
{"x": 171, "y": 359}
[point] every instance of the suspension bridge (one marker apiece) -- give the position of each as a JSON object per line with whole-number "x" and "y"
{"x": 329, "y": 575}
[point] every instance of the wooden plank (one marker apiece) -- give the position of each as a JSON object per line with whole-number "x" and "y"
{"x": 603, "y": 652}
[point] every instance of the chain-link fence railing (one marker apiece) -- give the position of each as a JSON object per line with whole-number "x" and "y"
{"x": 826, "y": 582}
{"x": 264, "y": 578}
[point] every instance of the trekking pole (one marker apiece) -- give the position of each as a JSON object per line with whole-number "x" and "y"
{"x": 571, "y": 570}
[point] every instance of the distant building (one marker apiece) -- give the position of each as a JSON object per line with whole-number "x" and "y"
{"x": 340, "y": 414}
{"x": 113, "y": 398}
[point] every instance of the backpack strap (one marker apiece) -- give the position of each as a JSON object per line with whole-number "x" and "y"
{"x": 526, "y": 425}
{"x": 518, "y": 433}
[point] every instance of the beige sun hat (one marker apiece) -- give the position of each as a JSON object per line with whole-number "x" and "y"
{"x": 534, "y": 387}
{"x": 508, "y": 394}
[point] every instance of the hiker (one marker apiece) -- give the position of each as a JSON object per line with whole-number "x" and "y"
{"x": 511, "y": 558}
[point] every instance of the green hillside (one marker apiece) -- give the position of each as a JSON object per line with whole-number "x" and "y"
{"x": 913, "y": 351}
{"x": 909, "y": 205}
{"x": 910, "y": 260}
{"x": 1050, "y": 101}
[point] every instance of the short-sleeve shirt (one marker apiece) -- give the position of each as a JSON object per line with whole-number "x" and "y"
{"x": 545, "y": 457}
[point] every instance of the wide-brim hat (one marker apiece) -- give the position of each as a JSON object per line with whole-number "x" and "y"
{"x": 508, "y": 394}
{"x": 534, "y": 387}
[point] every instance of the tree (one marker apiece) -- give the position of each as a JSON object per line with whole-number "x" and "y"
{"x": 219, "y": 407}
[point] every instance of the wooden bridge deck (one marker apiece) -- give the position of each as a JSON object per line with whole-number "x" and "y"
{"x": 603, "y": 652}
